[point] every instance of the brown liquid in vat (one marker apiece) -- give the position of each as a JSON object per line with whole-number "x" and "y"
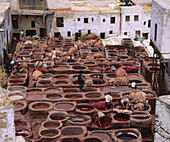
{"x": 34, "y": 92}
{"x": 51, "y": 125}
{"x": 40, "y": 107}
{"x": 18, "y": 106}
{"x": 49, "y": 134}
{"x": 64, "y": 106}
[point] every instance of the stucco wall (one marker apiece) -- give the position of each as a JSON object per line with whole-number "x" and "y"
{"x": 162, "y": 127}
{"x": 96, "y": 25}
{"x": 25, "y": 23}
{"x": 7, "y": 128}
{"x": 156, "y": 18}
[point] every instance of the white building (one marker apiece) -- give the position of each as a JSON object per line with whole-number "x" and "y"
{"x": 5, "y": 28}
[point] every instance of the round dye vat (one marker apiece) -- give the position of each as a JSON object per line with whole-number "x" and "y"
{"x": 35, "y": 91}
{"x": 71, "y": 140}
{"x": 40, "y": 106}
{"x": 103, "y": 135}
{"x": 51, "y": 90}
{"x": 149, "y": 95}
{"x": 140, "y": 117}
{"x": 92, "y": 140}
{"x": 17, "y": 77}
{"x": 16, "y": 81}
{"x": 70, "y": 91}
{"x": 44, "y": 82}
{"x": 24, "y": 133}
{"x": 89, "y": 89}
{"x": 64, "y": 106}
{"x": 61, "y": 83}
{"x": 57, "y": 117}
{"x": 111, "y": 75}
{"x": 127, "y": 137}
{"x": 51, "y": 133}
{"x": 73, "y": 96}
{"x": 53, "y": 96}
{"x": 93, "y": 95}
{"x": 89, "y": 63}
{"x": 18, "y": 105}
{"x": 72, "y": 131}
{"x": 79, "y": 67}
{"x": 20, "y": 125}
{"x": 122, "y": 117}
{"x": 51, "y": 125}
{"x": 85, "y": 108}
{"x": 16, "y": 88}
{"x": 61, "y": 77}
{"x": 61, "y": 67}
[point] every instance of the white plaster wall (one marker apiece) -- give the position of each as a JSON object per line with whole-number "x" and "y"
{"x": 165, "y": 32}
{"x": 54, "y": 4}
{"x": 162, "y": 127}
{"x": 7, "y": 128}
{"x": 156, "y": 17}
{"x": 146, "y": 17}
{"x": 96, "y": 26}
{"x": 131, "y": 26}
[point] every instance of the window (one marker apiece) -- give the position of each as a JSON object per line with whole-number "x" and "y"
{"x": 112, "y": 20}
{"x": 26, "y": 16}
{"x": 60, "y": 22}
{"x": 85, "y": 20}
{"x": 145, "y": 35}
{"x": 92, "y": 19}
{"x": 102, "y": 35}
{"x": 15, "y": 23}
{"x": 110, "y": 32}
{"x": 136, "y": 18}
{"x": 155, "y": 36}
{"x": 89, "y": 31}
{"x": 125, "y": 33}
{"x": 127, "y": 18}
{"x": 103, "y": 20}
{"x": 78, "y": 19}
{"x": 137, "y": 33}
{"x": 79, "y": 31}
{"x": 32, "y": 24}
{"x": 144, "y": 23}
{"x": 149, "y": 23}
{"x": 69, "y": 34}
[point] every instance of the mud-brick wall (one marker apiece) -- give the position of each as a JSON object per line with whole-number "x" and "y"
{"x": 162, "y": 127}
{"x": 7, "y": 128}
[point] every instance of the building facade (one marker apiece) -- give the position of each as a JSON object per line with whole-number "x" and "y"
{"x": 72, "y": 18}
{"x": 5, "y": 29}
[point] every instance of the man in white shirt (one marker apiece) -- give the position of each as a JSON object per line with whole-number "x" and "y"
{"x": 108, "y": 100}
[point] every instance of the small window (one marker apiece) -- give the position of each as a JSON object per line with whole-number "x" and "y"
{"x": 149, "y": 23}
{"x": 69, "y": 34}
{"x": 155, "y": 36}
{"x": 125, "y": 33}
{"x": 92, "y": 19}
{"x": 144, "y": 23}
{"x": 127, "y": 18}
{"x": 33, "y": 24}
{"x": 103, "y": 20}
{"x": 60, "y": 22}
{"x": 136, "y": 18}
{"x": 89, "y": 31}
{"x": 110, "y": 32}
{"x": 79, "y": 31}
{"x": 78, "y": 19}
{"x": 26, "y": 16}
{"x": 15, "y": 23}
{"x": 85, "y": 20}
{"x": 112, "y": 20}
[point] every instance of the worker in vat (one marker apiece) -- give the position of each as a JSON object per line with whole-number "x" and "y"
{"x": 101, "y": 77}
{"x": 108, "y": 101}
{"x": 122, "y": 104}
{"x": 54, "y": 55}
{"x": 100, "y": 118}
{"x": 80, "y": 81}
{"x": 71, "y": 59}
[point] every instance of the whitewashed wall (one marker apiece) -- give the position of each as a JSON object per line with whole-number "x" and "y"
{"x": 157, "y": 17}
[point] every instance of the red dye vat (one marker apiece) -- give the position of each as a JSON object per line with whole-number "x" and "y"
{"x": 16, "y": 82}
{"x": 23, "y": 133}
{"x": 105, "y": 124}
{"x": 121, "y": 119}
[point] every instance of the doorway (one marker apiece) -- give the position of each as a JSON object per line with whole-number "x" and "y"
{"x": 102, "y": 35}
{"x": 42, "y": 32}
{"x": 77, "y": 35}
{"x": 30, "y": 32}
